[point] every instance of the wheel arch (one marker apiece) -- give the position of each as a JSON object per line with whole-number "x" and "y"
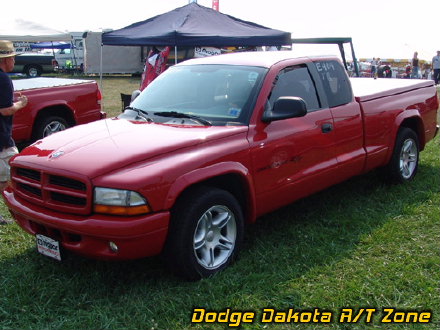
{"x": 411, "y": 119}
{"x": 231, "y": 177}
{"x": 55, "y": 110}
{"x": 403, "y": 164}
{"x": 416, "y": 124}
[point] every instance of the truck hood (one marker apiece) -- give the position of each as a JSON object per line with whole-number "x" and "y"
{"x": 102, "y": 146}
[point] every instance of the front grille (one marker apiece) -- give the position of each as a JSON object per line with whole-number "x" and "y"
{"x": 63, "y": 198}
{"x": 31, "y": 174}
{"x": 67, "y": 182}
{"x": 55, "y": 234}
{"x": 52, "y": 190}
{"x": 30, "y": 189}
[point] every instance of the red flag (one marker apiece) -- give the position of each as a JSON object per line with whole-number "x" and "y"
{"x": 215, "y": 4}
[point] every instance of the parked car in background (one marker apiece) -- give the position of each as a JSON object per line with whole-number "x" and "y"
{"x": 68, "y": 59}
{"x": 54, "y": 104}
{"x": 34, "y": 64}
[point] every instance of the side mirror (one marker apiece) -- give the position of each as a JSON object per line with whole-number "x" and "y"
{"x": 135, "y": 94}
{"x": 286, "y": 107}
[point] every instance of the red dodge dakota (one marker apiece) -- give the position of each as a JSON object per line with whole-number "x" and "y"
{"x": 55, "y": 104}
{"x": 210, "y": 145}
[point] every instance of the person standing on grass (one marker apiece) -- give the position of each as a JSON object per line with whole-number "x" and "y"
{"x": 155, "y": 64}
{"x": 415, "y": 66}
{"x": 435, "y": 66}
{"x": 373, "y": 68}
{"x": 7, "y": 109}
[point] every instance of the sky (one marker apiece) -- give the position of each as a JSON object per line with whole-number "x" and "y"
{"x": 379, "y": 28}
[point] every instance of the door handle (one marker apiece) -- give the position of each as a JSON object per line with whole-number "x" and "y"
{"x": 326, "y": 128}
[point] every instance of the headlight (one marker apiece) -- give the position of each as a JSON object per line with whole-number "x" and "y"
{"x": 119, "y": 202}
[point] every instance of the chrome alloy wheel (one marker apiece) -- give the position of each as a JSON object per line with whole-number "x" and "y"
{"x": 53, "y": 127}
{"x": 215, "y": 236}
{"x": 408, "y": 158}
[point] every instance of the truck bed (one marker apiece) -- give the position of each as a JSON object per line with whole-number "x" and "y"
{"x": 365, "y": 89}
{"x": 34, "y": 83}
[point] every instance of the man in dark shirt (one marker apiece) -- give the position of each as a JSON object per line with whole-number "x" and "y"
{"x": 7, "y": 109}
{"x": 415, "y": 66}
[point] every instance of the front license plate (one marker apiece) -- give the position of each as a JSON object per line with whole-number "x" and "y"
{"x": 48, "y": 246}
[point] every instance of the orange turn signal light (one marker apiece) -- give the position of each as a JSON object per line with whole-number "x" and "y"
{"x": 122, "y": 210}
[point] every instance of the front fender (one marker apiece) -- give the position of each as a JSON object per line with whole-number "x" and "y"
{"x": 211, "y": 172}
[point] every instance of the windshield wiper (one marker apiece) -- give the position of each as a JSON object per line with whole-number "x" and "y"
{"x": 176, "y": 114}
{"x": 140, "y": 113}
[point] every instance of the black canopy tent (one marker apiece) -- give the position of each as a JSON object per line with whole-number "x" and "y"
{"x": 195, "y": 25}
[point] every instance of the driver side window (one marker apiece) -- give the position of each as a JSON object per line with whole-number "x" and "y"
{"x": 295, "y": 81}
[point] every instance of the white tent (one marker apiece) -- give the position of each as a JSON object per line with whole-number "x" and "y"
{"x": 21, "y": 30}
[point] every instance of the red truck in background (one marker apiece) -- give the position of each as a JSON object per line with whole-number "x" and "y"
{"x": 210, "y": 145}
{"x": 54, "y": 104}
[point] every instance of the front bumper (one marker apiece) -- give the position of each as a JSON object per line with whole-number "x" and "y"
{"x": 90, "y": 236}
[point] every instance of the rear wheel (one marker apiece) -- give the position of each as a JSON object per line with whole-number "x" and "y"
{"x": 405, "y": 159}
{"x": 205, "y": 233}
{"x": 48, "y": 125}
{"x": 33, "y": 71}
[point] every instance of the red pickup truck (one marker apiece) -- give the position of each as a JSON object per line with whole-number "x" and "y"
{"x": 54, "y": 104}
{"x": 210, "y": 145}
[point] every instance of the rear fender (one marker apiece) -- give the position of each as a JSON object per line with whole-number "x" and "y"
{"x": 410, "y": 118}
{"x": 24, "y": 120}
{"x": 37, "y": 107}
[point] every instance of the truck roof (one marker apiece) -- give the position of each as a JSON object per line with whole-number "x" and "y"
{"x": 262, "y": 59}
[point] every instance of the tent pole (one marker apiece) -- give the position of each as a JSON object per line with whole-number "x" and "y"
{"x": 72, "y": 49}
{"x": 175, "y": 54}
{"x": 100, "y": 68}
{"x": 355, "y": 62}
{"x": 342, "y": 51}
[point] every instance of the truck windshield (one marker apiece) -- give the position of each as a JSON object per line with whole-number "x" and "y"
{"x": 218, "y": 94}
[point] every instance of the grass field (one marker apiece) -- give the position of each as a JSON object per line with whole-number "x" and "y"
{"x": 360, "y": 244}
{"x": 112, "y": 87}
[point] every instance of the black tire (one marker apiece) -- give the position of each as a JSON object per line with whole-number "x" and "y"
{"x": 33, "y": 71}
{"x": 405, "y": 159}
{"x": 48, "y": 125}
{"x": 205, "y": 234}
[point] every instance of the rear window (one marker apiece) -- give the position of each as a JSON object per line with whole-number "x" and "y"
{"x": 335, "y": 82}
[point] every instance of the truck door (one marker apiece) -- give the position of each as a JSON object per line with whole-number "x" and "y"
{"x": 293, "y": 157}
{"x": 346, "y": 113}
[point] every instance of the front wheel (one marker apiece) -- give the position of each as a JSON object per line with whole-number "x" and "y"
{"x": 405, "y": 159}
{"x": 205, "y": 233}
